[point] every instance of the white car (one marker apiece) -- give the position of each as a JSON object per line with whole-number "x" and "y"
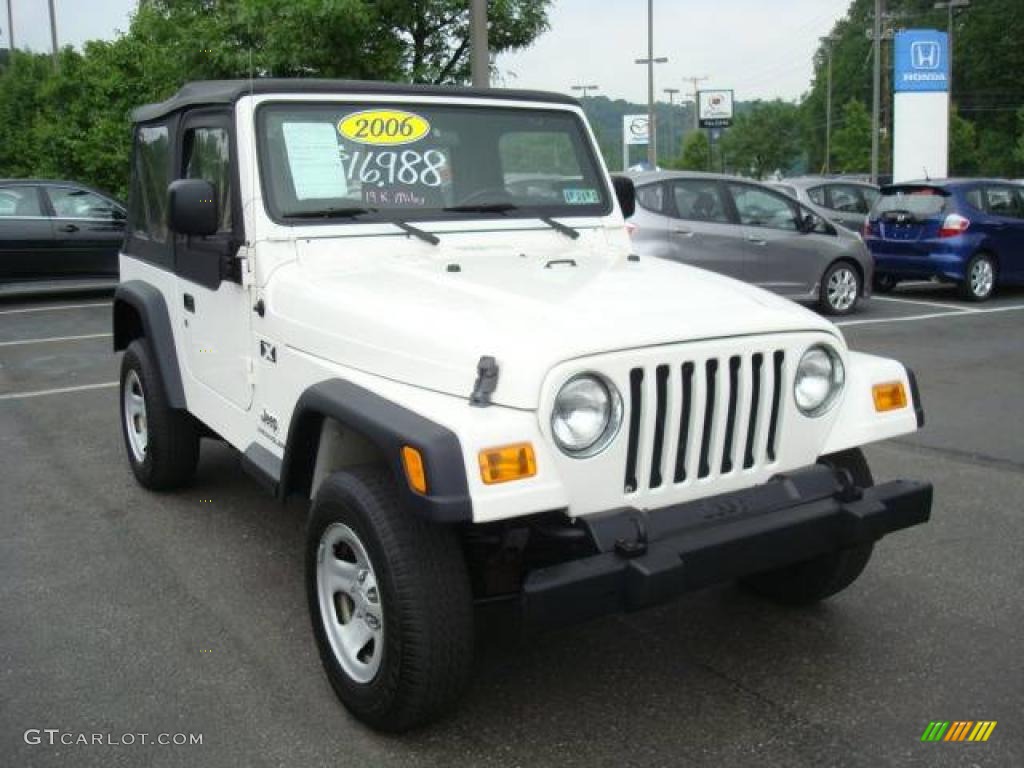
{"x": 417, "y": 307}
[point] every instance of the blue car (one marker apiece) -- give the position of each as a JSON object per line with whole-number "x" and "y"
{"x": 969, "y": 232}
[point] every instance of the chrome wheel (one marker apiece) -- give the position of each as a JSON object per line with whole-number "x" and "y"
{"x": 842, "y": 289}
{"x": 135, "y": 422}
{"x": 982, "y": 278}
{"x": 350, "y": 605}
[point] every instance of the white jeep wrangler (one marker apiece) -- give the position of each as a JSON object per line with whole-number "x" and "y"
{"x": 417, "y": 307}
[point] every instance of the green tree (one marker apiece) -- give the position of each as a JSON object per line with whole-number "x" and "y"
{"x": 764, "y": 139}
{"x": 963, "y": 147}
{"x": 1018, "y": 152}
{"x": 851, "y": 141}
{"x": 696, "y": 154}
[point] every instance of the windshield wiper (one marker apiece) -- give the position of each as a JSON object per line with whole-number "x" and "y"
{"x": 327, "y": 213}
{"x": 352, "y": 212}
{"x": 483, "y": 208}
{"x": 558, "y": 226}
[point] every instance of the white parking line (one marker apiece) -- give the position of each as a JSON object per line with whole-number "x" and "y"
{"x": 931, "y": 316}
{"x": 923, "y": 303}
{"x": 49, "y": 309}
{"x": 57, "y": 391}
{"x": 55, "y": 338}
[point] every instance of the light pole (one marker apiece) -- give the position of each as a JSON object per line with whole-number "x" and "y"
{"x": 585, "y": 89}
{"x": 950, "y": 6}
{"x": 671, "y": 123}
{"x": 479, "y": 55}
{"x": 827, "y": 42}
{"x": 695, "y": 82}
{"x": 10, "y": 23}
{"x": 650, "y": 61}
{"x": 53, "y": 34}
{"x": 876, "y": 88}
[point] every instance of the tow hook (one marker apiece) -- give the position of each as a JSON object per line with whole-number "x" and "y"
{"x": 637, "y": 546}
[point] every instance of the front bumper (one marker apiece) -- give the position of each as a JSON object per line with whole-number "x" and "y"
{"x": 645, "y": 558}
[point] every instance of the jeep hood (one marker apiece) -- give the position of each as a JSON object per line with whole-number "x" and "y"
{"x": 426, "y": 316}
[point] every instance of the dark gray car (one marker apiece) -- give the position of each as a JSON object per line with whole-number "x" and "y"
{"x": 59, "y": 232}
{"x": 846, "y": 201}
{"x": 746, "y": 230}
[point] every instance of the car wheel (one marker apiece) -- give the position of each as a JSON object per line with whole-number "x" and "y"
{"x": 840, "y": 289}
{"x": 980, "y": 278}
{"x": 885, "y": 283}
{"x": 162, "y": 443}
{"x": 820, "y": 577}
{"x": 390, "y": 602}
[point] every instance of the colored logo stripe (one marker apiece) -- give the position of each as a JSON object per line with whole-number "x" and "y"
{"x": 958, "y": 730}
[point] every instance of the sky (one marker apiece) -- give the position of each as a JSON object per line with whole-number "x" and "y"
{"x": 759, "y": 48}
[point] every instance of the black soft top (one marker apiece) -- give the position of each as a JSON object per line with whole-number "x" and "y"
{"x": 229, "y": 91}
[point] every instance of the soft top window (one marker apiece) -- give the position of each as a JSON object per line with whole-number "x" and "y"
{"x": 420, "y": 161}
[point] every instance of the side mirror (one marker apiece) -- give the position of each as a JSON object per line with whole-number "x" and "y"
{"x": 808, "y": 222}
{"x": 192, "y": 207}
{"x": 626, "y": 194}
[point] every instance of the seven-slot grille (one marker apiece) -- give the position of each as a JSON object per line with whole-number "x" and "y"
{"x": 702, "y": 418}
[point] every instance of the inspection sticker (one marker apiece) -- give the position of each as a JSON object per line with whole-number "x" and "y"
{"x": 384, "y": 127}
{"x": 581, "y": 196}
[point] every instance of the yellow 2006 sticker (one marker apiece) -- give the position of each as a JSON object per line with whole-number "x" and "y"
{"x": 384, "y": 127}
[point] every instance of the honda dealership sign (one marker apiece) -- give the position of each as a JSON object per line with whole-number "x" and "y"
{"x": 714, "y": 109}
{"x": 921, "y": 105}
{"x": 922, "y": 61}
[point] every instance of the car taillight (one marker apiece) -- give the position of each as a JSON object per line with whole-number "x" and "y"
{"x": 631, "y": 228}
{"x": 865, "y": 230}
{"x": 954, "y": 225}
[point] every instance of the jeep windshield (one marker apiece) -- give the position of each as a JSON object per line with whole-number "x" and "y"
{"x": 386, "y": 162}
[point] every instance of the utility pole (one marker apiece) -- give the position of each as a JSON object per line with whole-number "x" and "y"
{"x": 479, "y": 54}
{"x": 695, "y": 82}
{"x": 53, "y": 35}
{"x": 10, "y": 23}
{"x": 950, "y": 6}
{"x": 671, "y": 122}
{"x": 650, "y": 61}
{"x": 827, "y": 42}
{"x": 585, "y": 89}
{"x": 876, "y": 88}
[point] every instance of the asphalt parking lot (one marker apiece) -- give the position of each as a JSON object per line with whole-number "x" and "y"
{"x": 126, "y": 612}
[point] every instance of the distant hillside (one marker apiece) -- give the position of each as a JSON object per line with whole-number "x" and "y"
{"x": 674, "y": 123}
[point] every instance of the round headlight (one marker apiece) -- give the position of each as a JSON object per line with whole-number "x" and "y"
{"x": 819, "y": 380}
{"x": 586, "y": 416}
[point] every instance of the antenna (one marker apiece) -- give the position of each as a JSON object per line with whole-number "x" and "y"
{"x": 926, "y": 176}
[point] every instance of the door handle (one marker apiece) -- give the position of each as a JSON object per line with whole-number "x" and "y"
{"x": 682, "y": 232}
{"x": 190, "y": 303}
{"x": 69, "y": 228}
{"x": 757, "y": 241}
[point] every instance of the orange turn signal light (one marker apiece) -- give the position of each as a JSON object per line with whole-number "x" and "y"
{"x": 890, "y": 396}
{"x": 415, "y": 472}
{"x": 507, "y": 462}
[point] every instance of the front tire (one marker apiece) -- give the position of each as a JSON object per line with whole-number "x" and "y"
{"x": 840, "y": 289}
{"x": 979, "y": 278}
{"x": 811, "y": 581}
{"x": 390, "y": 602}
{"x": 162, "y": 443}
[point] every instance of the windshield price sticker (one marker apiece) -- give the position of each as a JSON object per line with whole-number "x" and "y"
{"x": 384, "y": 127}
{"x": 408, "y": 167}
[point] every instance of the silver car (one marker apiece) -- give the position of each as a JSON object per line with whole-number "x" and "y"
{"x": 845, "y": 201}
{"x": 749, "y": 231}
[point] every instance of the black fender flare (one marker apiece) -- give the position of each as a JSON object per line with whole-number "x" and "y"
{"x": 389, "y": 427}
{"x": 148, "y": 303}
